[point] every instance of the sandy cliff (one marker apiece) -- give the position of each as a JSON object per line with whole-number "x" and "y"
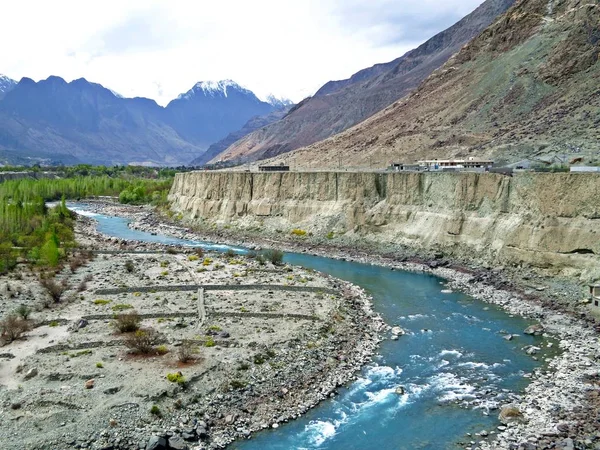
{"x": 550, "y": 221}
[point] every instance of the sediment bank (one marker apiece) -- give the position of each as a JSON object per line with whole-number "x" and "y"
{"x": 539, "y": 220}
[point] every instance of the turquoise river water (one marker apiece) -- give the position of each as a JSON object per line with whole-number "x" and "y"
{"x": 453, "y": 363}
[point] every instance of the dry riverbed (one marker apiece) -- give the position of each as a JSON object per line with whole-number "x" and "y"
{"x": 268, "y": 342}
{"x": 561, "y": 406}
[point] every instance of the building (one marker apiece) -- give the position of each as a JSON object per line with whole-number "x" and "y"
{"x": 279, "y": 168}
{"x": 401, "y": 167}
{"x": 456, "y": 164}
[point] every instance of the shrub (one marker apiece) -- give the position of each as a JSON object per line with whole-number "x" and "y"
{"x": 164, "y": 264}
{"x": 261, "y": 259}
{"x": 238, "y": 384}
{"x": 275, "y": 256}
{"x": 207, "y": 262}
{"x": 210, "y": 342}
{"x": 186, "y": 352}
{"x": 23, "y": 311}
{"x": 82, "y": 286}
{"x": 330, "y": 235}
{"x": 176, "y": 378}
{"x": 230, "y": 253}
{"x": 99, "y": 365}
{"x": 193, "y": 258}
{"x": 142, "y": 341}
{"x": 298, "y": 232}
{"x": 155, "y": 410}
{"x": 172, "y": 251}
{"x": 162, "y": 349}
{"x": 215, "y": 328}
{"x": 129, "y": 266}
{"x": 101, "y": 302}
{"x": 127, "y": 322}
{"x": 53, "y": 324}
{"x": 54, "y": 289}
{"x": 13, "y": 327}
{"x": 164, "y": 273}
{"x": 199, "y": 252}
{"x": 76, "y": 262}
{"x": 122, "y": 307}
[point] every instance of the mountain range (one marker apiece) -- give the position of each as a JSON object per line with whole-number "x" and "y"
{"x": 80, "y": 121}
{"x": 527, "y": 88}
{"x": 339, "y": 105}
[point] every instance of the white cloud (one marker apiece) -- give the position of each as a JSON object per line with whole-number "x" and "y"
{"x": 159, "y": 49}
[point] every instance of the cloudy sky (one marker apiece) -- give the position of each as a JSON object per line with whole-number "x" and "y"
{"x": 159, "y": 49}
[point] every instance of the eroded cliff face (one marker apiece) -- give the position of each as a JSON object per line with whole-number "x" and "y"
{"x": 549, "y": 221}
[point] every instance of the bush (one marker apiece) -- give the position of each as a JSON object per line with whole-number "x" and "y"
{"x": 82, "y": 286}
{"x": 275, "y": 256}
{"x": 155, "y": 410}
{"x": 176, "y": 378}
{"x": 23, "y": 311}
{"x": 199, "y": 252}
{"x": 330, "y": 235}
{"x": 193, "y": 258}
{"x": 54, "y": 289}
{"x": 298, "y": 232}
{"x": 99, "y": 365}
{"x": 127, "y": 322}
{"x": 186, "y": 352}
{"x": 122, "y": 307}
{"x": 13, "y": 327}
{"x": 129, "y": 266}
{"x": 230, "y": 253}
{"x": 210, "y": 342}
{"x": 142, "y": 341}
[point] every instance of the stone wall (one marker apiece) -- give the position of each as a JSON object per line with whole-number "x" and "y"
{"x": 545, "y": 220}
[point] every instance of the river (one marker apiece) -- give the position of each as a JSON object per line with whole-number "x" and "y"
{"x": 453, "y": 363}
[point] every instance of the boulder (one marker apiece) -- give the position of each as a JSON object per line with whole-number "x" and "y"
{"x": 30, "y": 374}
{"x": 156, "y": 443}
{"x": 89, "y": 384}
{"x": 509, "y": 414}
{"x": 535, "y": 330}
{"x": 177, "y": 443}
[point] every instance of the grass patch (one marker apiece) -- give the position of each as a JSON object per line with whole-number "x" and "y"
{"x": 101, "y": 302}
{"x": 122, "y": 307}
{"x": 176, "y": 378}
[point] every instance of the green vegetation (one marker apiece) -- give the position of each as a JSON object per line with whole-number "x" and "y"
{"x": 101, "y": 302}
{"x": 42, "y": 235}
{"x": 298, "y": 232}
{"x": 155, "y": 410}
{"x": 99, "y": 365}
{"x": 176, "y": 378}
{"x": 122, "y": 307}
{"x": 209, "y": 342}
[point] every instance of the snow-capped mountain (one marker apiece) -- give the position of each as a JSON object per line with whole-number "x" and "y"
{"x": 211, "y": 110}
{"x": 6, "y": 84}
{"x": 214, "y": 89}
{"x": 278, "y": 102}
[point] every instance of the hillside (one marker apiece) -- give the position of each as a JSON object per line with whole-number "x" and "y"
{"x": 528, "y": 86}
{"x": 253, "y": 124}
{"x": 339, "y": 105}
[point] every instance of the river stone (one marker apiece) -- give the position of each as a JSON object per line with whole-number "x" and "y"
{"x": 156, "y": 443}
{"x": 30, "y": 374}
{"x": 510, "y": 414}
{"x": 177, "y": 443}
{"x": 535, "y": 330}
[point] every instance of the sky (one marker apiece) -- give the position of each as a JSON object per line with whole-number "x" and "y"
{"x": 160, "y": 49}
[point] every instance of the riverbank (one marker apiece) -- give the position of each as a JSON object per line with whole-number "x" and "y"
{"x": 561, "y": 402}
{"x": 267, "y": 342}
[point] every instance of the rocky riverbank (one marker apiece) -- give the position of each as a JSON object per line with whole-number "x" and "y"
{"x": 560, "y": 407}
{"x": 267, "y": 341}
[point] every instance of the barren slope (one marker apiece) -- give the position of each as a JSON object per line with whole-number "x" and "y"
{"x": 341, "y": 104}
{"x": 528, "y": 85}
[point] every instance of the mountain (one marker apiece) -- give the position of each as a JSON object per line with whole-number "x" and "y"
{"x": 339, "y": 105}
{"x": 6, "y": 84}
{"x": 211, "y": 110}
{"x": 56, "y": 121}
{"x": 253, "y": 124}
{"x": 527, "y": 87}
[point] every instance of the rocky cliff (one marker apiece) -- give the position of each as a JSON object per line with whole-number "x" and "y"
{"x": 549, "y": 221}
